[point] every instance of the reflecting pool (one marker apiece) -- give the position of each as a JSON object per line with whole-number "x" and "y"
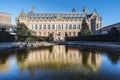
{"x": 60, "y": 62}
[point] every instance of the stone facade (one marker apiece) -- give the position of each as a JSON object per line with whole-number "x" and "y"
{"x": 5, "y": 21}
{"x": 5, "y": 18}
{"x": 59, "y": 23}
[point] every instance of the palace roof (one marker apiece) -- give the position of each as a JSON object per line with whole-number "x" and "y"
{"x": 54, "y": 15}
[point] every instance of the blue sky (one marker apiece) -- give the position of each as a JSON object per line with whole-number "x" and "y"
{"x": 109, "y": 10}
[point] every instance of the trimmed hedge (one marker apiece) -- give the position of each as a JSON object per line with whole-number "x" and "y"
{"x": 25, "y": 38}
{"x": 6, "y": 37}
{"x": 105, "y": 37}
{"x": 112, "y": 36}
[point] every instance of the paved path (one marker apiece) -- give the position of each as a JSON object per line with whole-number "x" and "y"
{"x": 98, "y": 45}
{"x": 103, "y": 45}
{"x": 13, "y": 45}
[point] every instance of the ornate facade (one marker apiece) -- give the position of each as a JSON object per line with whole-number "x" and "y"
{"x": 59, "y": 23}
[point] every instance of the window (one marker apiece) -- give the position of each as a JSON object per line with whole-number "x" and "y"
{"x": 59, "y": 34}
{"x": 53, "y": 26}
{"x": 35, "y": 26}
{"x": 97, "y": 26}
{"x": 78, "y": 27}
{"x": 74, "y": 26}
{"x": 44, "y": 34}
{"x": 39, "y": 33}
{"x": 70, "y": 26}
{"x": 69, "y": 33}
{"x": 49, "y": 26}
{"x": 66, "y": 26}
{"x": 31, "y": 26}
{"x": 62, "y": 26}
{"x": 66, "y": 34}
{"x": 34, "y": 33}
{"x": 74, "y": 34}
{"x": 40, "y": 26}
{"x": 48, "y": 33}
{"x": 59, "y": 27}
{"x": 52, "y": 33}
{"x": 44, "y": 26}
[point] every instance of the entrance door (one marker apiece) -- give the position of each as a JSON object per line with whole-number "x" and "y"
{"x": 58, "y": 35}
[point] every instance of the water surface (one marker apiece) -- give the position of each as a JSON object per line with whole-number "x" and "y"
{"x": 59, "y": 62}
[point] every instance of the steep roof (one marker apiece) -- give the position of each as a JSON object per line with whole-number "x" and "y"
{"x": 52, "y": 15}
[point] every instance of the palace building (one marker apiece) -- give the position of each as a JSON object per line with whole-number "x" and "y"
{"x": 59, "y": 23}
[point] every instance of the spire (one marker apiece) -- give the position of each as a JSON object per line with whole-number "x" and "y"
{"x": 84, "y": 9}
{"x": 33, "y": 8}
{"x": 73, "y": 10}
{"x": 22, "y": 14}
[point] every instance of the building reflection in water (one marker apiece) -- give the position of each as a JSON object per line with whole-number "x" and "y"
{"x": 4, "y": 63}
{"x": 61, "y": 57}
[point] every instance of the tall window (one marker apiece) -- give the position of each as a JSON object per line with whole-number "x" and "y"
{"x": 97, "y": 26}
{"x": 52, "y": 33}
{"x": 59, "y": 34}
{"x": 74, "y": 34}
{"x": 74, "y": 26}
{"x": 59, "y": 27}
{"x": 69, "y": 33}
{"x": 32, "y": 27}
{"x": 44, "y": 26}
{"x": 49, "y": 26}
{"x": 70, "y": 26}
{"x": 53, "y": 26}
{"x": 39, "y": 33}
{"x": 40, "y": 26}
{"x": 65, "y": 33}
{"x": 44, "y": 34}
{"x": 66, "y": 26}
{"x": 48, "y": 33}
{"x": 35, "y": 26}
{"x": 78, "y": 26}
